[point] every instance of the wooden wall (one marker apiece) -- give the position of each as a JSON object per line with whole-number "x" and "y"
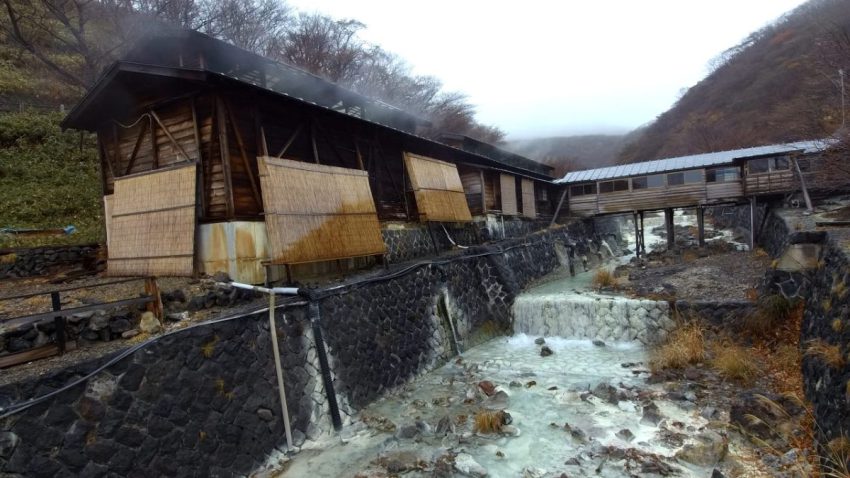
{"x": 473, "y": 185}
{"x": 507, "y": 188}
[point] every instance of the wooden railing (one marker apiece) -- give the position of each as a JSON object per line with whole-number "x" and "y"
{"x": 151, "y": 299}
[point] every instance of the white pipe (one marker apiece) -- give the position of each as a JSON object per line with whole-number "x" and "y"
{"x": 452, "y": 240}
{"x": 265, "y": 290}
{"x": 279, "y": 371}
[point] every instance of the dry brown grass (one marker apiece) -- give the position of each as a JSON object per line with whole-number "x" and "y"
{"x": 487, "y": 421}
{"x": 827, "y": 353}
{"x": 604, "y": 278}
{"x": 734, "y": 362}
{"x": 685, "y": 346}
{"x": 772, "y": 311}
{"x": 689, "y": 255}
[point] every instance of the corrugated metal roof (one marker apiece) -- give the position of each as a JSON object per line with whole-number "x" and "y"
{"x": 688, "y": 162}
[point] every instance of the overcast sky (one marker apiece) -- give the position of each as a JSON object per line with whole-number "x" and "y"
{"x": 541, "y": 68}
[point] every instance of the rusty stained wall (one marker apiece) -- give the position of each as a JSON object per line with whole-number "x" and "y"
{"x": 237, "y": 248}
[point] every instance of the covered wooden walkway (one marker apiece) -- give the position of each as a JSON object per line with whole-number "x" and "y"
{"x": 698, "y": 181}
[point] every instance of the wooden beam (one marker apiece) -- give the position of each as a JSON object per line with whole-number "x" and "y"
{"x": 259, "y": 132}
{"x": 313, "y": 141}
{"x": 132, "y": 160}
{"x": 290, "y": 140}
{"x": 225, "y": 155}
{"x": 254, "y": 187}
{"x": 168, "y": 134}
{"x": 336, "y": 151}
{"x": 558, "y": 209}
{"x": 154, "y": 149}
{"x": 359, "y": 155}
{"x": 483, "y": 192}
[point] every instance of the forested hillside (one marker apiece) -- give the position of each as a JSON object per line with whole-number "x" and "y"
{"x": 51, "y": 51}
{"x": 780, "y": 84}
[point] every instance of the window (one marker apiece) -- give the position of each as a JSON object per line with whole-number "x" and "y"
{"x": 764, "y": 165}
{"x": 759, "y": 166}
{"x": 542, "y": 194}
{"x": 693, "y": 176}
{"x": 675, "y": 179}
{"x": 644, "y": 182}
{"x": 722, "y": 175}
{"x": 583, "y": 190}
{"x": 685, "y": 177}
{"x": 614, "y": 186}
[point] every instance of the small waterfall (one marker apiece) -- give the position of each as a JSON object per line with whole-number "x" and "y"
{"x": 572, "y": 315}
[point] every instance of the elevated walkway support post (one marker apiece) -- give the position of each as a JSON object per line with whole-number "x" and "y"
{"x": 701, "y": 226}
{"x": 642, "y": 237}
{"x": 671, "y": 231}
{"x": 753, "y": 223}
{"x": 637, "y": 234}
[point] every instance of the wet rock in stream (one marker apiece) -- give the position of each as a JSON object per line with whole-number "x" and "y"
{"x": 545, "y": 351}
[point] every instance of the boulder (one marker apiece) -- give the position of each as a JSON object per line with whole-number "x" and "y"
{"x": 149, "y": 323}
{"x": 466, "y": 465}
{"x": 545, "y": 351}
{"x": 707, "y": 449}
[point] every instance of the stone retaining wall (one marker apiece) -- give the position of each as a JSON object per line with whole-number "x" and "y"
{"x": 203, "y": 401}
{"x": 28, "y": 262}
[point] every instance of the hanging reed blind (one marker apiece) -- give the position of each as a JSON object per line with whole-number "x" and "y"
{"x": 508, "y": 189}
{"x": 152, "y": 227}
{"x": 437, "y": 188}
{"x": 529, "y": 206}
{"x": 317, "y": 213}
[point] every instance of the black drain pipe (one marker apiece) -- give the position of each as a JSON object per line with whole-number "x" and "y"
{"x": 314, "y": 316}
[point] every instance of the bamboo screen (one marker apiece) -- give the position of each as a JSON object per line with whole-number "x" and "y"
{"x": 152, "y": 228}
{"x": 529, "y": 207}
{"x": 318, "y": 213}
{"x": 437, "y": 188}
{"x": 508, "y": 189}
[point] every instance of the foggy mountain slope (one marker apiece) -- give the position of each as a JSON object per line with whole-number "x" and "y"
{"x": 567, "y": 153}
{"x": 778, "y": 85}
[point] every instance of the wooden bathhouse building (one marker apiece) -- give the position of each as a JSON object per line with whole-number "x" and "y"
{"x": 217, "y": 159}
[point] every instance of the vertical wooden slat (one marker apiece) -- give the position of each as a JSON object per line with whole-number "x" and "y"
{"x": 255, "y": 189}
{"x": 225, "y": 155}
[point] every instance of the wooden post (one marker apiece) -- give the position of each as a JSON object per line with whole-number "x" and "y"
{"x": 700, "y": 226}
{"x": 642, "y": 236}
{"x": 59, "y": 322}
{"x": 152, "y": 289}
{"x": 752, "y": 223}
{"x": 558, "y": 209}
{"x": 671, "y": 231}
{"x": 637, "y": 234}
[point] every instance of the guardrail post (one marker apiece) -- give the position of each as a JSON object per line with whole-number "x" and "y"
{"x": 59, "y": 321}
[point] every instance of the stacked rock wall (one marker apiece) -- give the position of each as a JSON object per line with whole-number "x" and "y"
{"x": 28, "y": 262}
{"x": 203, "y": 401}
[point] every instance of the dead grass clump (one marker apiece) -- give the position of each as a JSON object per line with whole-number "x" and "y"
{"x": 689, "y": 255}
{"x": 734, "y": 362}
{"x": 604, "y": 278}
{"x": 487, "y": 421}
{"x": 771, "y": 311}
{"x": 684, "y": 346}
{"x": 837, "y": 462}
{"x": 826, "y": 353}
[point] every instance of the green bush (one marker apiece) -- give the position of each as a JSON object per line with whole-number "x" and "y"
{"x": 48, "y": 178}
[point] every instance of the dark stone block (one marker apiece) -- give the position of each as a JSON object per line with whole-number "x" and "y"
{"x": 130, "y": 436}
{"x": 60, "y": 416}
{"x": 159, "y": 427}
{"x": 132, "y": 378}
{"x": 100, "y": 451}
{"x": 121, "y": 461}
